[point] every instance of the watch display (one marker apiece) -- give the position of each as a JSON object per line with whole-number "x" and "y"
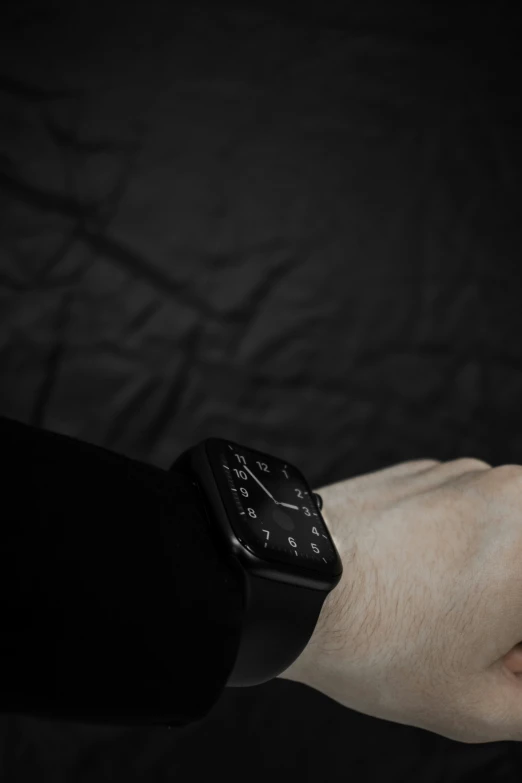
{"x": 271, "y": 508}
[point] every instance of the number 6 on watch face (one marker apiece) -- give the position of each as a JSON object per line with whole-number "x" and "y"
{"x": 271, "y": 508}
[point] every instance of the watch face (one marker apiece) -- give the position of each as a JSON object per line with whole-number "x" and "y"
{"x": 271, "y": 508}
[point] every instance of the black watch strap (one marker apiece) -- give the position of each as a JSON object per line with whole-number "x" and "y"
{"x": 278, "y": 621}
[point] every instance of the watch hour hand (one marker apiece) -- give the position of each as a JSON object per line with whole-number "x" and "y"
{"x": 288, "y": 505}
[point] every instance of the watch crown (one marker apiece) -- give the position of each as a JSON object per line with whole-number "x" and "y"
{"x": 318, "y": 499}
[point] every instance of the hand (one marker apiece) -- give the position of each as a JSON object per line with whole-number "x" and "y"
{"x": 423, "y": 628}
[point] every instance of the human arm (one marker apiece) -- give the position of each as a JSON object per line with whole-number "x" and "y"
{"x": 424, "y": 627}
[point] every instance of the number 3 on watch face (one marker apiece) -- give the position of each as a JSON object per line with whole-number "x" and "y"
{"x": 271, "y": 507}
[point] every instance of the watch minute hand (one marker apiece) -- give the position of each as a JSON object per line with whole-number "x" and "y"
{"x": 262, "y": 487}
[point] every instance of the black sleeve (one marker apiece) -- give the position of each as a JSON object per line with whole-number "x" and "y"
{"x": 115, "y": 606}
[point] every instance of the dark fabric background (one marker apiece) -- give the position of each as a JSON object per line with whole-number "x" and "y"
{"x": 297, "y": 228}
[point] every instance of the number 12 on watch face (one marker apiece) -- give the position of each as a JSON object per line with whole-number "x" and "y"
{"x": 271, "y": 507}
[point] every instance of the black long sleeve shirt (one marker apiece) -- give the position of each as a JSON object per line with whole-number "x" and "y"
{"x": 116, "y": 606}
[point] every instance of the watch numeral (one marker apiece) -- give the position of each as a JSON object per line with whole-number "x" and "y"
{"x": 241, "y": 474}
{"x": 305, "y": 509}
{"x": 267, "y": 534}
{"x": 299, "y": 493}
{"x": 241, "y": 459}
{"x": 315, "y": 548}
{"x": 252, "y": 513}
{"x": 314, "y": 531}
{"x": 243, "y": 492}
{"x": 291, "y": 541}
{"x": 286, "y": 474}
{"x": 263, "y": 466}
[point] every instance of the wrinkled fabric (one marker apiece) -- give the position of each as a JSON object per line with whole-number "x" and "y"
{"x": 298, "y": 228}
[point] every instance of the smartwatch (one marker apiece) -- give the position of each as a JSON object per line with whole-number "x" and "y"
{"x": 267, "y": 522}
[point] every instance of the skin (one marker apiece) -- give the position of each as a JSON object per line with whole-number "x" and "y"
{"x": 424, "y": 628}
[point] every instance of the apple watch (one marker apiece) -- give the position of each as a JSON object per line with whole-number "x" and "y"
{"x": 267, "y": 522}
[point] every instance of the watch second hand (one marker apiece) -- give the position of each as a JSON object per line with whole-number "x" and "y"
{"x": 267, "y": 492}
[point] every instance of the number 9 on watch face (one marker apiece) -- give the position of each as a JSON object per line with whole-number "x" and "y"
{"x": 271, "y": 508}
